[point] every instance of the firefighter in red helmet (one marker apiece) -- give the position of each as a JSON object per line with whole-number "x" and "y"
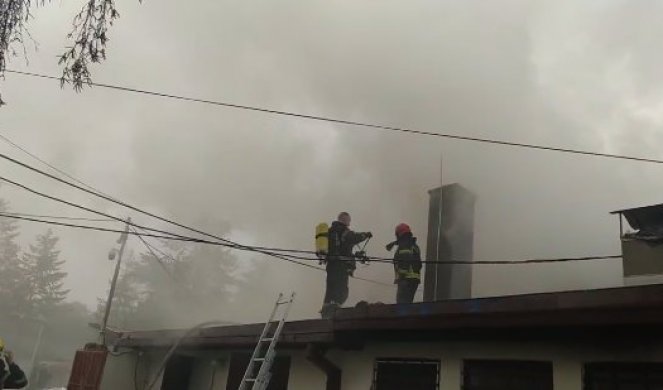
{"x": 407, "y": 263}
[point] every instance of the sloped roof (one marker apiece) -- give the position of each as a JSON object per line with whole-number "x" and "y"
{"x": 609, "y": 308}
{"x": 643, "y": 218}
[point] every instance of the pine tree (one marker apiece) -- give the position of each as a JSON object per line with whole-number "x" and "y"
{"x": 197, "y": 284}
{"x": 125, "y": 302}
{"x": 44, "y": 273}
{"x": 12, "y": 280}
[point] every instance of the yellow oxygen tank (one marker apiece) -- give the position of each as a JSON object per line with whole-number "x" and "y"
{"x": 321, "y": 239}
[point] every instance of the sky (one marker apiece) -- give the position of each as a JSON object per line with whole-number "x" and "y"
{"x": 582, "y": 75}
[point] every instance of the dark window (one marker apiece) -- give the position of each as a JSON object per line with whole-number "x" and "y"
{"x": 507, "y": 375}
{"x": 623, "y": 376}
{"x": 177, "y": 373}
{"x": 239, "y": 362}
{"x": 411, "y": 374}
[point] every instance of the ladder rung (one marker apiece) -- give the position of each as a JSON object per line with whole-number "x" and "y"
{"x": 282, "y": 302}
{"x": 259, "y": 359}
{"x": 251, "y": 379}
{"x": 267, "y": 340}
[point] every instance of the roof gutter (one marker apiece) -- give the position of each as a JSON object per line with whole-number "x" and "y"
{"x": 316, "y": 355}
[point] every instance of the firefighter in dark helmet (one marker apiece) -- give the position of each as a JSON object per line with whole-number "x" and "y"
{"x": 407, "y": 263}
{"x": 340, "y": 262}
{"x": 11, "y": 375}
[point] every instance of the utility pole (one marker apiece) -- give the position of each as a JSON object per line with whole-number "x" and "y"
{"x": 123, "y": 242}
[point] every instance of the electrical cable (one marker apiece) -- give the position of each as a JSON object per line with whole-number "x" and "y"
{"x": 288, "y": 258}
{"x": 229, "y": 243}
{"x": 62, "y": 217}
{"x": 151, "y": 250}
{"x": 19, "y": 147}
{"x": 371, "y": 259}
{"x": 84, "y": 208}
{"x": 123, "y": 204}
{"x": 350, "y": 122}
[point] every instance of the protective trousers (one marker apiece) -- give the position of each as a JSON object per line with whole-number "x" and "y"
{"x": 406, "y": 290}
{"x": 337, "y": 282}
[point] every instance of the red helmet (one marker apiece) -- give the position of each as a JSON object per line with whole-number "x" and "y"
{"x": 402, "y": 228}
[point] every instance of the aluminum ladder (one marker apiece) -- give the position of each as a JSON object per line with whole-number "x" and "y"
{"x": 262, "y": 359}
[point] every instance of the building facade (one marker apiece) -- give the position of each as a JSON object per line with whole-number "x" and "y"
{"x": 589, "y": 340}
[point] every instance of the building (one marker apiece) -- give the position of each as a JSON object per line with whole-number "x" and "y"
{"x": 591, "y": 340}
{"x": 642, "y": 246}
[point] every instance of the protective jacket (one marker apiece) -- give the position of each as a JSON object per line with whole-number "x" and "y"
{"x": 407, "y": 259}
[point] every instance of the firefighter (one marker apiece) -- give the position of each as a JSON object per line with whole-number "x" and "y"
{"x": 340, "y": 262}
{"x": 407, "y": 263}
{"x": 11, "y": 375}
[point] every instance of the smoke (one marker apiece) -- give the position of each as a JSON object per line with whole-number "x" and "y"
{"x": 570, "y": 75}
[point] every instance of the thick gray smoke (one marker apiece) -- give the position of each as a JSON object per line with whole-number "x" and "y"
{"x": 581, "y": 75}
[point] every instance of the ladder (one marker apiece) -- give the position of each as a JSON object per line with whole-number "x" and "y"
{"x": 263, "y": 358}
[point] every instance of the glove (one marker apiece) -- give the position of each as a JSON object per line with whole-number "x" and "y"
{"x": 390, "y": 246}
{"x": 368, "y": 234}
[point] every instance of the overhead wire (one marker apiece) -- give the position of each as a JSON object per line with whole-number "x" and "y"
{"x": 151, "y": 250}
{"x": 112, "y": 200}
{"x": 230, "y": 243}
{"x": 370, "y": 259}
{"x": 68, "y": 218}
{"x": 161, "y": 252}
{"x": 346, "y": 122}
{"x": 34, "y": 156}
{"x": 274, "y": 252}
{"x": 260, "y": 249}
{"x": 164, "y": 234}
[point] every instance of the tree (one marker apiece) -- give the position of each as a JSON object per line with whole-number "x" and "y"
{"x": 88, "y": 37}
{"x": 183, "y": 286}
{"x": 13, "y": 288}
{"x": 45, "y": 277}
{"x": 126, "y": 302}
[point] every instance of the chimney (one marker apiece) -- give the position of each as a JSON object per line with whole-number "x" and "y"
{"x": 642, "y": 244}
{"x": 450, "y": 237}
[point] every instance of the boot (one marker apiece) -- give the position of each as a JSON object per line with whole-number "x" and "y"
{"x": 328, "y": 310}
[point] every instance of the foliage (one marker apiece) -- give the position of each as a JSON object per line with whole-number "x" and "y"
{"x": 89, "y": 37}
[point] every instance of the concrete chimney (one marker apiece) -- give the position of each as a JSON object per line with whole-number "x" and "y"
{"x": 450, "y": 237}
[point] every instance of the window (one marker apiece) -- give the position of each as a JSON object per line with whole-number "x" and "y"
{"x": 507, "y": 375}
{"x": 623, "y": 376}
{"x": 177, "y": 373}
{"x": 411, "y": 374}
{"x": 239, "y": 362}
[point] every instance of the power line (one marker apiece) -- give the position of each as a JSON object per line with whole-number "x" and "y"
{"x": 228, "y": 243}
{"x": 102, "y": 195}
{"x": 271, "y": 250}
{"x": 62, "y": 217}
{"x": 377, "y": 259}
{"x": 103, "y": 229}
{"x": 12, "y": 143}
{"x": 84, "y": 208}
{"x": 154, "y": 248}
{"x": 193, "y": 240}
{"x": 112, "y": 200}
{"x": 171, "y": 236}
{"x": 349, "y": 122}
{"x": 151, "y": 250}
{"x": 134, "y": 232}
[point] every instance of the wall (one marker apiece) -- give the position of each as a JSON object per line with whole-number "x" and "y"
{"x": 567, "y": 359}
{"x": 357, "y": 366}
{"x": 122, "y": 372}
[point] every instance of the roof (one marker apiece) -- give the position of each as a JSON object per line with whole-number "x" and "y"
{"x": 540, "y": 314}
{"x": 646, "y": 217}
